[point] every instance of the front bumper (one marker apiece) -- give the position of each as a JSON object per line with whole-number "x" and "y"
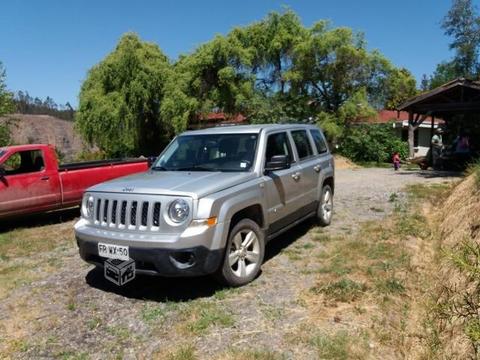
{"x": 193, "y": 261}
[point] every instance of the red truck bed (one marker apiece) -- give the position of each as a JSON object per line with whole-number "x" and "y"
{"x": 32, "y": 181}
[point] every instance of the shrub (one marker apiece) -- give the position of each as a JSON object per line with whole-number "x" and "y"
{"x": 372, "y": 142}
{"x": 5, "y": 138}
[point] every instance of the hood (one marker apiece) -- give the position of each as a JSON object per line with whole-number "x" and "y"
{"x": 195, "y": 184}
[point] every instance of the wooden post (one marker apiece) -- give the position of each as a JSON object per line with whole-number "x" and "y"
{"x": 431, "y": 135}
{"x": 411, "y": 135}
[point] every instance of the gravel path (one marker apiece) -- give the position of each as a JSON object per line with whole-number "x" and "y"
{"x": 73, "y": 311}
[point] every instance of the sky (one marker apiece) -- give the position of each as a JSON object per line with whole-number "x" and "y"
{"x": 48, "y": 46}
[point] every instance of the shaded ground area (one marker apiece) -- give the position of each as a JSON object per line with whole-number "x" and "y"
{"x": 54, "y": 305}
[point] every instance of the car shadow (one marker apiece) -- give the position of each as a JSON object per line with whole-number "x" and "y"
{"x": 178, "y": 289}
{"x": 432, "y": 174}
{"x": 42, "y": 219}
{"x": 156, "y": 288}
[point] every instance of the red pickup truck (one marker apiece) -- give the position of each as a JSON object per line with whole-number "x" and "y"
{"x": 31, "y": 180}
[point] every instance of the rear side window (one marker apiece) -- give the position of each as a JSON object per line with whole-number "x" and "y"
{"x": 278, "y": 144}
{"x": 319, "y": 141}
{"x": 302, "y": 143}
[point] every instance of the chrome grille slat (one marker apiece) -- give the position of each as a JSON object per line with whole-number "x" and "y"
{"x": 127, "y": 214}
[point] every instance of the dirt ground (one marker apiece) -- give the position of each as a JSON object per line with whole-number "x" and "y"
{"x": 55, "y": 306}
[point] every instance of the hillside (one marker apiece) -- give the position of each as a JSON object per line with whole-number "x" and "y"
{"x": 45, "y": 129}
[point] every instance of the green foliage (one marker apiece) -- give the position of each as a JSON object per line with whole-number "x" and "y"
{"x": 120, "y": 101}
{"x": 372, "y": 142}
{"x": 5, "y": 138}
{"x": 344, "y": 290}
{"x": 273, "y": 70}
{"x": 462, "y": 24}
{"x": 6, "y": 97}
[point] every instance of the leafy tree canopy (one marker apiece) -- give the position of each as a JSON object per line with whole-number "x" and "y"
{"x": 6, "y": 97}
{"x": 272, "y": 70}
{"x": 462, "y": 24}
{"x": 121, "y": 99}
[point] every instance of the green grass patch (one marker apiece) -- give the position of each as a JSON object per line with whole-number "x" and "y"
{"x": 203, "y": 315}
{"x": 344, "y": 290}
{"x": 186, "y": 352}
{"x": 339, "y": 346}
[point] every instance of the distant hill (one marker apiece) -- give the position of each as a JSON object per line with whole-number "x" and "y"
{"x": 29, "y": 129}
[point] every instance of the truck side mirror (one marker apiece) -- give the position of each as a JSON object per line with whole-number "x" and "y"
{"x": 277, "y": 162}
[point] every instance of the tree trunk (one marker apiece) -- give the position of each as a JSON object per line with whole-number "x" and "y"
{"x": 411, "y": 137}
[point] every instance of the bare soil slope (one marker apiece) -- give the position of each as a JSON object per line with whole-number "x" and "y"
{"x": 31, "y": 129}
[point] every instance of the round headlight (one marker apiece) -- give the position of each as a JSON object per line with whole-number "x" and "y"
{"x": 89, "y": 207}
{"x": 178, "y": 210}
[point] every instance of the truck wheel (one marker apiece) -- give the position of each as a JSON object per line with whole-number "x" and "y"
{"x": 243, "y": 254}
{"x": 325, "y": 206}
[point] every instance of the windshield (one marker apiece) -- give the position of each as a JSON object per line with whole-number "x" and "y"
{"x": 213, "y": 152}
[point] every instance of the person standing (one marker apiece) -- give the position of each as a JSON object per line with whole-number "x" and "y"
{"x": 437, "y": 146}
{"x": 396, "y": 161}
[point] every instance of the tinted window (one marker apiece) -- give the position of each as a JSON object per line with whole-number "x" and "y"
{"x": 302, "y": 143}
{"x": 24, "y": 162}
{"x": 278, "y": 144}
{"x": 319, "y": 141}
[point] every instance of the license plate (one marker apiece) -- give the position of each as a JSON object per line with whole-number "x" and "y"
{"x": 113, "y": 251}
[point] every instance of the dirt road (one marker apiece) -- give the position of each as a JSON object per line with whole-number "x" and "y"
{"x": 54, "y": 305}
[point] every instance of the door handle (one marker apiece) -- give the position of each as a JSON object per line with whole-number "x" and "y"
{"x": 44, "y": 178}
{"x": 317, "y": 168}
{"x": 296, "y": 176}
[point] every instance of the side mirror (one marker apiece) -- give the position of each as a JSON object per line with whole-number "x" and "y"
{"x": 277, "y": 162}
{"x": 2, "y": 171}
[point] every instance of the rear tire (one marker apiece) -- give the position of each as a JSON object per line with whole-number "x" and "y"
{"x": 325, "y": 206}
{"x": 243, "y": 254}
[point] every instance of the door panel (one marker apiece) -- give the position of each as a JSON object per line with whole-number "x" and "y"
{"x": 284, "y": 195}
{"x": 28, "y": 186}
{"x": 307, "y": 163}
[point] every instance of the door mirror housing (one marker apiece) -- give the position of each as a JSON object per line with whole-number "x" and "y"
{"x": 277, "y": 162}
{"x": 2, "y": 171}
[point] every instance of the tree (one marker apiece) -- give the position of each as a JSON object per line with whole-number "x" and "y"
{"x": 463, "y": 25}
{"x": 120, "y": 101}
{"x": 6, "y": 103}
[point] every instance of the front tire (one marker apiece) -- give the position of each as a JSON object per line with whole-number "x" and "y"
{"x": 243, "y": 254}
{"x": 325, "y": 206}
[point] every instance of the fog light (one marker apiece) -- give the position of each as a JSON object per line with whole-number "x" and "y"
{"x": 183, "y": 259}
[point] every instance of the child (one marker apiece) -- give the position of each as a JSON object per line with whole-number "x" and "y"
{"x": 396, "y": 160}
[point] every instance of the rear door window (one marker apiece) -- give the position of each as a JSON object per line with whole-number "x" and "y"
{"x": 302, "y": 143}
{"x": 319, "y": 141}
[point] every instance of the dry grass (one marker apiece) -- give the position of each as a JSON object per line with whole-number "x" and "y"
{"x": 372, "y": 285}
{"x": 23, "y": 253}
{"x": 453, "y": 317}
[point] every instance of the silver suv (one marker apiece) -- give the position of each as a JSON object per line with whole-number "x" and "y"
{"x": 210, "y": 202}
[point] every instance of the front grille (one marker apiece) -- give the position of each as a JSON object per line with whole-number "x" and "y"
{"x": 134, "y": 215}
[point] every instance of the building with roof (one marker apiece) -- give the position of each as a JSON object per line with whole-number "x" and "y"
{"x": 399, "y": 121}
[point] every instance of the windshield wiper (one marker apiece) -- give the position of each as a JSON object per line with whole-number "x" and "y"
{"x": 195, "y": 167}
{"x": 159, "y": 168}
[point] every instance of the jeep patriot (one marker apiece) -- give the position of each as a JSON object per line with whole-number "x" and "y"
{"x": 210, "y": 202}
